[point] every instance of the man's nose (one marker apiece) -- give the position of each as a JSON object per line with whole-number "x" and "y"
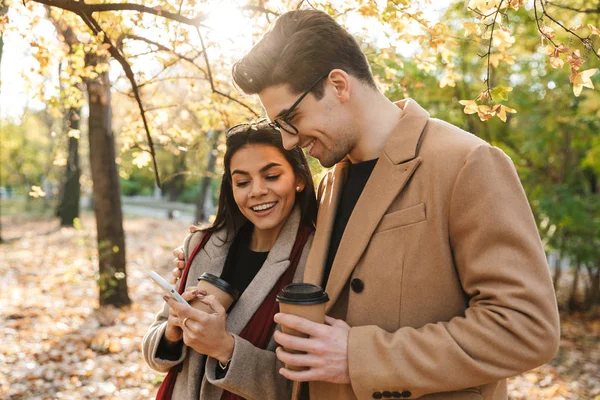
{"x": 289, "y": 141}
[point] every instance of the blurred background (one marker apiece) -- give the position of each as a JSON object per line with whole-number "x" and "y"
{"x": 113, "y": 114}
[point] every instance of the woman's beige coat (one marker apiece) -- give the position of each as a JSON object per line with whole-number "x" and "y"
{"x": 253, "y": 373}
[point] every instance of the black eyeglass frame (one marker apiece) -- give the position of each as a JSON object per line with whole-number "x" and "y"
{"x": 277, "y": 125}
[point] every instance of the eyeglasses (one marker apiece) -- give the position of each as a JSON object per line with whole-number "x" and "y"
{"x": 282, "y": 121}
{"x": 255, "y": 125}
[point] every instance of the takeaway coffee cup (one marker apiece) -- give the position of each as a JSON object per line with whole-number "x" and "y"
{"x": 304, "y": 300}
{"x": 224, "y": 292}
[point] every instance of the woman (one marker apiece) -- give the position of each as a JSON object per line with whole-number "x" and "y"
{"x": 258, "y": 243}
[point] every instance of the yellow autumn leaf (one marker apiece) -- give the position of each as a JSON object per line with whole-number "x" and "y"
{"x": 141, "y": 159}
{"x": 503, "y": 39}
{"x": 501, "y": 111}
{"x": 74, "y": 133}
{"x": 548, "y": 32}
{"x": 577, "y": 27}
{"x": 448, "y": 80}
{"x": 60, "y": 160}
{"x": 495, "y": 59}
{"x": 582, "y": 79}
{"x": 470, "y": 106}
{"x": 485, "y": 112}
{"x": 556, "y": 62}
{"x": 471, "y": 28}
{"x": 36, "y": 192}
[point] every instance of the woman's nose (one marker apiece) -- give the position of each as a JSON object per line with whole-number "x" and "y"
{"x": 257, "y": 189}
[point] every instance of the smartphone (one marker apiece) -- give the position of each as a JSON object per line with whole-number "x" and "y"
{"x": 167, "y": 287}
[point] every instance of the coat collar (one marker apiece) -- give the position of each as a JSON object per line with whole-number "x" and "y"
{"x": 404, "y": 142}
{"x": 395, "y": 166}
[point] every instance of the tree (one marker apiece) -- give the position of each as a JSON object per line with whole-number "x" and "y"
{"x": 68, "y": 207}
{"x": 112, "y": 279}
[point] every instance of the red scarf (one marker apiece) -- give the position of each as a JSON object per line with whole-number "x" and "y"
{"x": 261, "y": 327}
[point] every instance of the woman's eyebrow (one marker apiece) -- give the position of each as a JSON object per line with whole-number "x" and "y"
{"x": 263, "y": 169}
{"x": 269, "y": 166}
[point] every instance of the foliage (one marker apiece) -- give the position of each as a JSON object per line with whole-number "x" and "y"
{"x": 27, "y": 152}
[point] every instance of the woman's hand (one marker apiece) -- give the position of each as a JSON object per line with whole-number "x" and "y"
{"x": 205, "y": 333}
{"x": 173, "y": 331}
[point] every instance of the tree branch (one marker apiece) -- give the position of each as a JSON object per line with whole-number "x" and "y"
{"x": 587, "y": 41}
{"x": 579, "y": 10}
{"x": 260, "y": 9}
{"x": 79, "y": 7}
{"x": 162, "y": 48}
{"x": 489, "y": 53}
{"x": 116, "y": 54}
{"x": 212, "y": 84}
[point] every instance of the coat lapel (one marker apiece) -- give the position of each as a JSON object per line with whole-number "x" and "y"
{"x": 396, "y": 165}
{"x": 328, "y": 203}
{"x": 275, "y": 265}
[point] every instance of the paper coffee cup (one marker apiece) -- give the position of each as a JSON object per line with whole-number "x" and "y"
{"x": 224, "y": 292}
{"x": 304, "y": 300}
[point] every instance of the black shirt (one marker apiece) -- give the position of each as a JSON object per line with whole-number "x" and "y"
{"x": 358, "y": 175}
{"x": 242, "y": 264}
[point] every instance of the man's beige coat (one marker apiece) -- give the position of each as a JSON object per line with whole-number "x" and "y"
{"x": 253, "y": 373}
{"x": 457, "y": 294}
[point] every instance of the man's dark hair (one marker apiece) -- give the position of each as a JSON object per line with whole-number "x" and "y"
{"x": 302, "y": 46}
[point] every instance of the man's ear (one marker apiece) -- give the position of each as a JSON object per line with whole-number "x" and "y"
{"x": 341, "y": 84}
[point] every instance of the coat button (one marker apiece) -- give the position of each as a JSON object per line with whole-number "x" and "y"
{"x": 357, "y": 285}
{"x": 397, "y": 395}
{"x": 406, "y": 394}
{"x": 387, "y": 394}
{"x": 377, "y": 395}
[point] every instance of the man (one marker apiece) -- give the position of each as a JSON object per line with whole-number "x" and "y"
{"x": 425, "y": 242}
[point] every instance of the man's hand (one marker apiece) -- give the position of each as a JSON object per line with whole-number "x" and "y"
{"x": 179, "y": 263}
{"x": 326, "y": 349}
{"x": 179, "y": 260}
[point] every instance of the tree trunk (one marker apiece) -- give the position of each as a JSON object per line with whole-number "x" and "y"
{"x": 112, "y": 281}
{"x": 593, "y": 294}
{"x": 573, "y": 297}
{"x": 176, "y": 185}
{"x": 209, "y": 173}
{"x": 68, "y": 208}
{"x": 557, "y": 272}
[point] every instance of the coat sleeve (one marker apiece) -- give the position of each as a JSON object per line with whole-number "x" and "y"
{"x": 253, "y": 373}
{"x": 511, "y": 324}
{"x": 154, "y": 335}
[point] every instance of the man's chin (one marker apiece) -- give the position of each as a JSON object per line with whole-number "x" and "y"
{"x": 329, "y": 161}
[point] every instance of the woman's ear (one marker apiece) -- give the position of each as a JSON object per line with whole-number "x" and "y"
{"x": 300, "y": 185}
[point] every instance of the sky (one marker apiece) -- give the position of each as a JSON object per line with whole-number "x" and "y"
{"x": 225, "y": 21}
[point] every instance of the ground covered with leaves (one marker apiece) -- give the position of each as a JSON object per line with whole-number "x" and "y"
{"x": 57, "y": 343}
